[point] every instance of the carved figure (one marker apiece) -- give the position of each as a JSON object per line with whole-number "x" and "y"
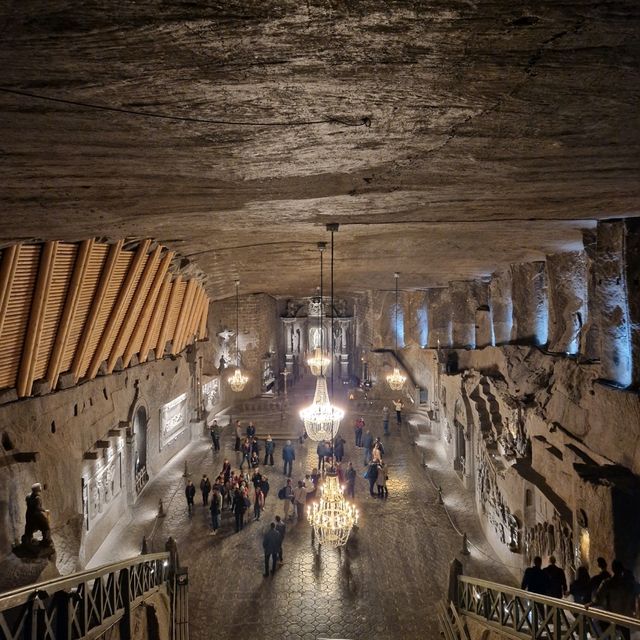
{"x": 37, "y": 518}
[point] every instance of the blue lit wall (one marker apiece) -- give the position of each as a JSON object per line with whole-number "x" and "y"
{"x": 398, "y": 324}
{"x": 423, "y": 325}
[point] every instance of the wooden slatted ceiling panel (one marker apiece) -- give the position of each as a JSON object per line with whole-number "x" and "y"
{"x": 62, "y": 270}
{"x": 113, "y": 288}
{"x": 92, "y": 277}
{"x": 175, "y": 310}
{"x": 17, "y": 316}
{"x": 162, "y": 310}
{"x": 125, "y": 307}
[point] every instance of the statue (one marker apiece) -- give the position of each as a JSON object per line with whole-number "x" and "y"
{"x": 37, "y": 520}
{"x": 222, "y": 364}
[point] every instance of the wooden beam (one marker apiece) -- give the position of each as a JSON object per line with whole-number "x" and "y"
{"x": 182, "y": 316}
{"x": 132, "y": 313}
{"x": 184, "y": 335}
{"x": 202, "y": 331}
{"x": 98, "y": 300}
{"x": 162, "y": 336}
{"x": 196, "y": 311}
{"x": 155, "y": 320}
{"x": 144, "y": 320}
{"x": 10, "y": 257}
{"x": 36, "y": 319}
{"x": 69, "y": 311}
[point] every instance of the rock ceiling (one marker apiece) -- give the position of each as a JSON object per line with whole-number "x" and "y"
{"x": 497, "y": 131}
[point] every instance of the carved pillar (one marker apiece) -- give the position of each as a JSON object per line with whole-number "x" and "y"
{"x": 567, "y": 277}
{"x": 439, "y": 317}
{"x": 611, "y": 299}
{"x": 463, "y": 312}
{"x": 530, "y": 304}
{"x": 590, "y": 334}
{"x": 632, "y": 265}
{"x": 289, "y": 340}
{"x": 345, "y": 333}
{"x": 501, "y": 306}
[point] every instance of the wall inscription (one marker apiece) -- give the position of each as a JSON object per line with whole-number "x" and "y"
{"x": 173, "y": 419}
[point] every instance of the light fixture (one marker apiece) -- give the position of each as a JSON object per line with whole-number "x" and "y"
{"x": 237, "y": 381}
{"x": 318, "y": 360}
{"x": 333, "y": 517}
{"x": 396, "y": 380}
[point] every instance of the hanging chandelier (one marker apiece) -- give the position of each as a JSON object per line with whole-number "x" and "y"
{"x": 396, "y": 380}
{"x": 318, "y": 360}
{"x": 321, "y": 419}
{"x": 333, "y": 517}
{"x": 237, "y": 381}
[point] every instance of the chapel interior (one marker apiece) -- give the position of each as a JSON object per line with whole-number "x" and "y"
{"x": 442, "y": 197}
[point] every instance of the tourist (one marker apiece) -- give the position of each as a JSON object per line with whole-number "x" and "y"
{"x": 246, "y": 453}
{"x": 255, "y": 460}
{"x": 271, "y": 544}
{"x": 371, "y": 474}
{"x": 535, "y": 579}
{"x": 225, "y": 472}
{"x": 251, "y": 430}
{"x": 556, "y": 580}
{"x": 338, "y": 449}
{"x": 321, "y": 450}
{"x": 315, "y": 478}
{"x": 398, "y": 406}
{"x": 580, "y": 588}
{"x": 340, "y": 473}
{"x": 288, "y": 456}
{"x": 600, "y": 577}
{"x": 300, "y": 498}
{"x": 190, "y": 493}
{"x": 205, "y": 488}
{"x": 287, "y": 496}
{"x": 381, "y": 480}
{"x": 367, "y": 443}
{"x": 281, "y": 528}
{"x": 385, "y": 420}
{"x": 215, "y": 430}
{"x": 256, "y": 478}
{"x": 238, "y": 444}
{"x": 269, "y": 448}
{"x": 350, "y": 476}
{"x": 216, "y": 509}
{"x": 239, "y": 507}
{"x": 359, "y": 426}
{"x": 258, "y": 503}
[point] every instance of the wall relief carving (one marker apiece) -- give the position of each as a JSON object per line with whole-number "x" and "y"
{"x": 551, "y": 538}
{"x": 173, "y": 419}
{"x": 102, "y": 488}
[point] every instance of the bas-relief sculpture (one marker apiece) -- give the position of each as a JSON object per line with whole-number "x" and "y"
{"x": 103, "y": 488}
{"x": 551, "y": 538}
{"x": 173, "y": 419}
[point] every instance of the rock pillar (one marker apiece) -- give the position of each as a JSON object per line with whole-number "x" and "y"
{"x": 416, "y": 329}
{"x": 632, "y": 264}
{"x": 501, "y": 306}
{"x": 483, "y": 321}
{"x": 567, "y": 277}
{"x": 611, "y": 299}
{"x": 530, "y": 304}
{"x": 590, "y": 335}
{"x": 463, "y": 314}
{"x": 439, "y": 317}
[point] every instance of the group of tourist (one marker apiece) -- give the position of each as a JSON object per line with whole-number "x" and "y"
{"x": 616, "y": 593}
{"x": 376, "y": 471}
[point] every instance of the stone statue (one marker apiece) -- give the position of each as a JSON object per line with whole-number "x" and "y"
{"x": 222, "y": 364}
{"x": 37, "y": 519}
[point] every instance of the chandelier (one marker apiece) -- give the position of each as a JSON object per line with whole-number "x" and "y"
{"x": 333, "y": 517}
{"x": 396, "y": 380}
{"x": 237, "y": 381}
{"x": 318, "y": 360}
{"x": 321, "y": 419}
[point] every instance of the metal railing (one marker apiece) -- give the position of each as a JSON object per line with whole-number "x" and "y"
{"x": 83, "y": 604}
{"x": 529, "y": 615}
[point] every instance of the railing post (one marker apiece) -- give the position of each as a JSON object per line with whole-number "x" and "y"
{"x": 125, "y": 587}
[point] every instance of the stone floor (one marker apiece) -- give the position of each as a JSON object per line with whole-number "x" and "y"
{"x": 383, "y": 584}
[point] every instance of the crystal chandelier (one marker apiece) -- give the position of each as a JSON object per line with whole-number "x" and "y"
{"x": 321, "y": 419}
{"x": 318, "y": 360}
{"x": 237, "y": 381}
{"x": 333, "y": 517}
{"x": 396, "y": 380}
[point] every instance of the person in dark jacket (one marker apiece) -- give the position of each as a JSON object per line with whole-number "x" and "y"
{"x": 372, "y": 476}
{"x": 351, "y": 481}
{"x": 580, "y": 588}
{"x": 205, "y": 488}
{"x": 339, "y": 449}
{"x": 251, "y": 430}
{"x": 367, "y": 445}
{"x": 288, "y": 456}
{"x": 281, "y": 528}
{"x": 190, "y": 494}
{"x": 216, "y": 510}
{"x": 265, "y": 486}
{"x": 239, "y": 507}
{"x": 271, "y": 544}
{"x": 600, "y": 577}
{"x": 618, "y": 594}
{"x": 535, "y": 579}
{"x": 557, "y": 582}
{"x": 269, "y": 448}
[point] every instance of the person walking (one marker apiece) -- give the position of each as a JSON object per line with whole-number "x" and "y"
{"x": 535, "y": 579}
{"x": 321, "y": 450}
{"x": 205, "y": 488}
{"x": 288, "y": 456}
{"x": 238, "y": 444}
{"x": 215, "y": 431}
{"x": 338, "y": 449}
{"x": 269, "y": 448}
{"x": 398, "y": 406}
{"x": 246, "y": 453}
{"x": 281, "y": 528}
{"x": 258, "y": 503}
{"x": 600, "y": 577}
{"x": 372, "y": 477}
{"x": 580, "y": 588}
{"x": 557, "y": 582}
{"x": 385, "y": 420}
{"x": 618, "y": 594}
{"x": 351, "y": 481}
{"x": 367, "y": 444}
{"x": 265, "y": 486}
{"x": 381, "y": 480}
{"x": 190, "y": 494}
{"x": 287, "y": 496}
{"x": 300, "y": 499}
{"x": 239, "y": 507}
{"x": 359, "y": 426}
{"x": 271, "y": 544}
{"x": 216, "y": 510}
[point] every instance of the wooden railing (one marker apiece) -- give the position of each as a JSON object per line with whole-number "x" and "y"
{"x": 83, "y": 604}
{"x": 527, "y": 615}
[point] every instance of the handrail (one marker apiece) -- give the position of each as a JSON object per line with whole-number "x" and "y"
{"x": 532, "y": 615}
{"x": 18, "y": 596}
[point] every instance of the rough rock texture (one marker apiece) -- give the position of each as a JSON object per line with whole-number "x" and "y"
{"x": 497, "y": 131}
{"x": 439, "y": 316}
{"x": 567, "y": 276}
{"x": 501, "y": 306}
{"x": 632, "y": 279}
{"x": 530, "y": 303}
{"x": 590, "y": 336}
{"x": 463, "y": 313}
